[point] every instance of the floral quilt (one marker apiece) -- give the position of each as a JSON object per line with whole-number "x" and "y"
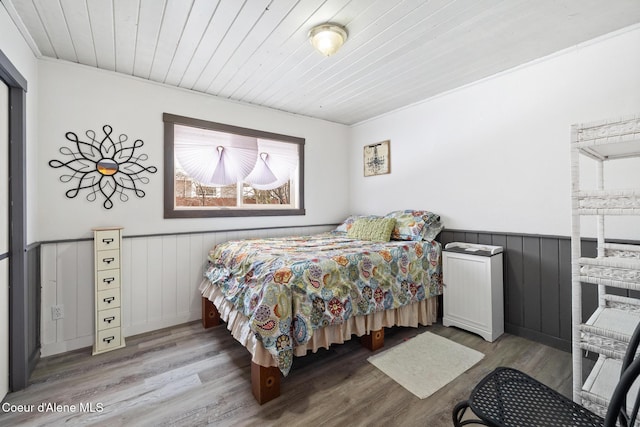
{"x": 289, "y": 287}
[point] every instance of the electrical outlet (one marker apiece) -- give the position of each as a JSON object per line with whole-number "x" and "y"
{"x": 57, "y": 312}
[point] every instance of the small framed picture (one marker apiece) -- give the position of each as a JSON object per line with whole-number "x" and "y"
{"x": 377, "y": 159}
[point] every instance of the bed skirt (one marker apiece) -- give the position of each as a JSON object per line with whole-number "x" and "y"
{"x": 420, "y": 313}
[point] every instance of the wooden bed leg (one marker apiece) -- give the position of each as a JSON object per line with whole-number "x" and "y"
{"x": 374, "y": 340}
{"x": 210, "y": 315}
{"x": 265, "y": 382}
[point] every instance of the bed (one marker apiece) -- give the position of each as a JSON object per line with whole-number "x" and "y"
{"x": 283, "y": 297}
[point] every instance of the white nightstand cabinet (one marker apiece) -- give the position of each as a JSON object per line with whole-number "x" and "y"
{"x": 108, "y": 289}
{"x": 473, "y": 295}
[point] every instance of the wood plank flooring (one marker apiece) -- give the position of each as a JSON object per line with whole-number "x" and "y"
{"x": 188, "y": 376}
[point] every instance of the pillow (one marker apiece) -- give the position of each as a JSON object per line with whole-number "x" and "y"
{"x": 374, "y": 229}
{"x": 415, "y": 225}
{"x": 432, "y": 226}
{"x": 348, "y": 223}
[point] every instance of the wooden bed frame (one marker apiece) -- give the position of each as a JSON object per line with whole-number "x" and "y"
{"x": 265, "y": 381}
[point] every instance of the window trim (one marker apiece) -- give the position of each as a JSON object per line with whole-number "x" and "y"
{"x": 170, "y": 210}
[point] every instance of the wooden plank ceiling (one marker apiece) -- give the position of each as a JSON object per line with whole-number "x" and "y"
{"x": 257, "y": 51}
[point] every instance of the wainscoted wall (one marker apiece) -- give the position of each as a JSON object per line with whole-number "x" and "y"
{"x": 537, "y": 283}
{"x": 160, "y": 277}
{"x": 161, "y": 274}
{"x": 32, "y": 328}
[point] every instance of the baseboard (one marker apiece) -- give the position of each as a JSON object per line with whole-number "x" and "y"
{"x": 51, "y": 349}
{"x": 34, "y": 358}
{"x": 161, "y": 323}
{"x": 542, "y": 338}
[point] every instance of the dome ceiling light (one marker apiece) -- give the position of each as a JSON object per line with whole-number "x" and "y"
{"x": 328, "y": 38}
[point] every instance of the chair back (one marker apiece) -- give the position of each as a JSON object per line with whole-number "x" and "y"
{"x": 617, "y": 410}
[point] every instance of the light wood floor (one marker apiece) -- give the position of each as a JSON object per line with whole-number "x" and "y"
{"x": 186, "y": 376}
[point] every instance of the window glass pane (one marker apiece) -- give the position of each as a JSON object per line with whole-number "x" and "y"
{"x": 191, "y": 193}
{"x": 276, "y": 196}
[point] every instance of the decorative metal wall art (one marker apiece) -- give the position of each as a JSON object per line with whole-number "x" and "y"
{"x": 377, "y": 158}
{"x": 103, "y": 166}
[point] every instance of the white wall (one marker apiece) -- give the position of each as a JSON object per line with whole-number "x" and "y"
{"x": 16, "y": 49}
{"x": 78, "y": 98}
{"x": 160, "y": 273}
{"x": 494, "y": 156}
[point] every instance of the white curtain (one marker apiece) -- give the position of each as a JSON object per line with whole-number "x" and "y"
{"x": 276, "y": 163}
{"x": 214, "y": 158}
{"x": 219, "y": 158}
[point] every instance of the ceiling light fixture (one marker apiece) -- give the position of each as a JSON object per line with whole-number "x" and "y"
{"x": 328, "y": 38}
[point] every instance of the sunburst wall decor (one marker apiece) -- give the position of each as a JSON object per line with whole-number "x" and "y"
{"x": 103, "y": 166}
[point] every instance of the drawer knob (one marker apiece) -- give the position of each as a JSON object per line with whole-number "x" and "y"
{"x": 108, "y": 339}
{"x": 109, "y": 300}
{"x": 108, "y": 280}
{"x": 107, "y": 240}
{"x": 110, "y": 319}
{"x": 108, "y": 260}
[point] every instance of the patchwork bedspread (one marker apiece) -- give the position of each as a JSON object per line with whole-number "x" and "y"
{"x": 289, "y": 287}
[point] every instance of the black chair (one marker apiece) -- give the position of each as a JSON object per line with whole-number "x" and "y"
{"x": 510, "y": 398}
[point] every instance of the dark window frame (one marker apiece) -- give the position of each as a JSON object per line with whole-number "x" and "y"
{"x": 170, "y": 210}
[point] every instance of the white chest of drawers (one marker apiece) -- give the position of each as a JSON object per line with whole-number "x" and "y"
{"x": 108, "y": 289}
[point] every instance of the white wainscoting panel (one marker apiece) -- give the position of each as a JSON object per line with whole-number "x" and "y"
{"x": 160, "y": 278}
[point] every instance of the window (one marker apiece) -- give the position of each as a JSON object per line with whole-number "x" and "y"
{"x": 213, "y": 170}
